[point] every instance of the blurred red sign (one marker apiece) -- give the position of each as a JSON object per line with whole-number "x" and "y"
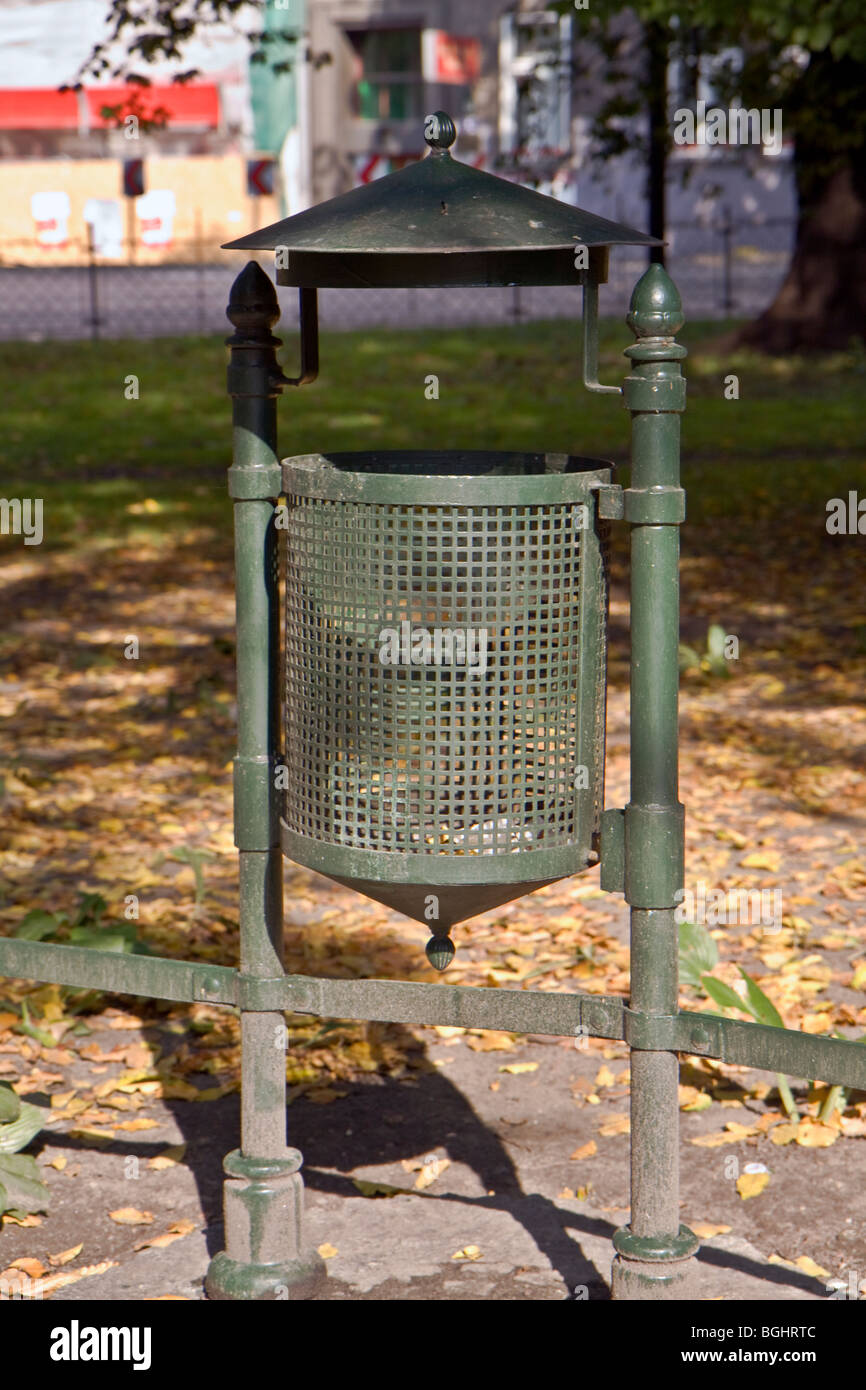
{"x": 133, "y": 178}
{"x": 260, "y": 177}
{"x": 450, "y": 58}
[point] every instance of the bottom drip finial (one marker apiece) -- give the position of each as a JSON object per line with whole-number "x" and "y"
{"x": 440, "y": 952}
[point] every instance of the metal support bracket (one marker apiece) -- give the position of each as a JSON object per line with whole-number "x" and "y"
{"x": 308, "y": 315}
{"x": 653, "y": 506}
{"x": 259, "y": 483}
{"x": 590, "y": 335}
{"x": 613, "y": 850}
{"x": 255, "y": 811}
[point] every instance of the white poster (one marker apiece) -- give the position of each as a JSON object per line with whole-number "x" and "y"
{"x": 51, "y": 215}
{"x": 104, "y": 217}
{"x": 156, "y": 213}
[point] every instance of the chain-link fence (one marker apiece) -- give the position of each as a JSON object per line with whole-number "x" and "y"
{"x": 729, "y": 268}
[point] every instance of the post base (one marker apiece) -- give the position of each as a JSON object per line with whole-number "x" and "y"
{"x": 229, "y": 1279}
{"x": 653, "y": 1268}
{"x": 265, "y": 1257}
{"x": 632, "y": 1280}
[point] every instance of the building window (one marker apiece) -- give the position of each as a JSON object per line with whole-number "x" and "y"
{"x": 388, "y": 78}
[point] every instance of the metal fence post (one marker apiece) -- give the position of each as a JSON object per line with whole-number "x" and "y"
{"x": 264, "y": 1256}
{"x": 653, "y": 1253}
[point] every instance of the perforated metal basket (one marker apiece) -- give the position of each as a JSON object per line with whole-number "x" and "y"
{"x": 444, "y": 673}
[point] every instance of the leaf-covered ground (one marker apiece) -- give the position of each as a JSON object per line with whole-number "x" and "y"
{"x": 116, "y": 777}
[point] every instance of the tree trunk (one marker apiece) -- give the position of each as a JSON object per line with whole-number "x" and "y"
{"x": 657, "y": 132}
{"x": 822, "y": 301}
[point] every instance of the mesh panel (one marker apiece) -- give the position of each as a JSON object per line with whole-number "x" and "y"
{"x": 432, "y": 692}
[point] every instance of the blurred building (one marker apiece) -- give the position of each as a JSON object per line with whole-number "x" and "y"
{"x": 339, "y": 99}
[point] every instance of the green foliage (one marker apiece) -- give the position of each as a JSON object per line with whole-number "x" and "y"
{"x": 697, "y": 946}
{"x": 712, "y": 661}
{"x": 196, "y": 859}
{"x": 807, "y": 58}
{"x": 698, "y": 954}
{"x": 21, "y": 1188}
{"x": 84, "y": 928}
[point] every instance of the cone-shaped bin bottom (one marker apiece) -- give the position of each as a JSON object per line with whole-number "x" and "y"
{"x": 454, "y": 903}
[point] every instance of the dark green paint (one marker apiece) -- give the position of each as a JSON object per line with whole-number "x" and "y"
{"x": 437, "y": 222}
{"x": 653, "y": 831}
{"x": 263, "y": 1216}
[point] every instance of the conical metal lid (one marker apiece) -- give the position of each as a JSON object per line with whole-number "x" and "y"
{"x": 437, "y": 221}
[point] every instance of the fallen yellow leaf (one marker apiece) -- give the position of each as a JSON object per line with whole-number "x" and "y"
{"x": 858, "y": 979}
{"x": 616, "y": 1124}
{"x": 60, "y": 1281}
{"x": 66, "y": 1255}
{"x": 469, "y": 1252}
{"x": 518, "y": 1068}
{"x": 169, "y": 1158}
{"x": 327, "y": 1251}
{"x": 176, "y": 1230}
{"x": 752, "y": 1184}
{"x": 32, "y": 1268}
{"x": 763, "y": 859}
{"x": 92, "y": 1138}
{"x": 430, "y": 1172}
{"x": 692, "y": 1098}
{"x": 811, "y": 1134}
{"x": 808, "y": 1266}
{"x": 605, "y": 1076}
{"x": 783, "y": 1134}
{"x": 59, "y": 1163}
{"x": 139, "y": 1123}
{"x": 738, "y": 1131}
{"x": 707, "y": 1229}
{"x": 131, "y": 1216}
{"x": 586, "y": 1150}
{"x": 494, "y": 1040}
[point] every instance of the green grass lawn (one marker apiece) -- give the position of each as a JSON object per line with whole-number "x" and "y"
{"x": 770, "y": 458}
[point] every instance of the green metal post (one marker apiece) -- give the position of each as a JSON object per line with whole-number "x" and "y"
{"x": 264, "y": 1256}
{"x": 654, "y": 1252}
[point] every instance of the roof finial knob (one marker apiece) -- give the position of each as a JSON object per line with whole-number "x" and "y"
{"x": 440, "y": 132}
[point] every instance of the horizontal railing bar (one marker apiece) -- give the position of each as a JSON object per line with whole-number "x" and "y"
{"x": 832, "y": 1060}
{"x": 805, "y": 1055}
{"x": 118, "y": 972}
{"x": 388, "y": 1001}
{"x": 459, "y": 1006}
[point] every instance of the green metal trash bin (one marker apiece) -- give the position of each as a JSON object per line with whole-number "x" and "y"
{"x": 445, "y": 620}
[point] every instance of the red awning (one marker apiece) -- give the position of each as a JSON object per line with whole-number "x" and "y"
{"x": 44, "y": 108}
{"x": 37, "y": 108}
{"x": 196, "y": 104}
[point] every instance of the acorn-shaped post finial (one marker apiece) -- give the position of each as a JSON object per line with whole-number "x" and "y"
{"x": 656, "y": 310}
